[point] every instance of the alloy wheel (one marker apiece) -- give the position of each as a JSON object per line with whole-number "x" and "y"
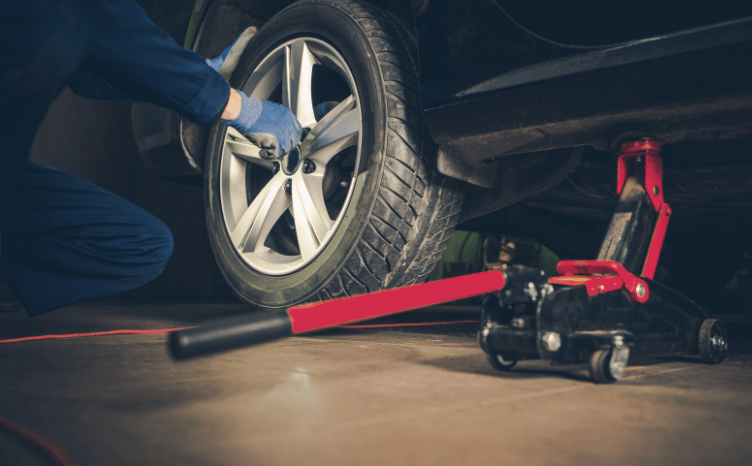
{"x": 303, "y": 196}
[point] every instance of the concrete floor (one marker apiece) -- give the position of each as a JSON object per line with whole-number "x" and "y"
{"x": 350, "y": 397}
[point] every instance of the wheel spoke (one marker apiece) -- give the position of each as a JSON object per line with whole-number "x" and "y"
{"x": 338, "y": 130}
{"x": 296, "y": 82}
{"x": 253, "y": 227}
{"x": 289, "y": 67}
{"x": 312, "y": 222}
{"x": 246, "y": 150}
{"x": 265, "y": 79}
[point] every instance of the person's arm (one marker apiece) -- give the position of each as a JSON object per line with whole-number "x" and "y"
{"x": 129, "y": 58}
{"x": 134, "y": 57}
{"x": 232, "y": 109}
{"x": 92, "y": 86}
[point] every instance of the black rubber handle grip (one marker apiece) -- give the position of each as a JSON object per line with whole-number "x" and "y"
{"x": 230, "y": 333}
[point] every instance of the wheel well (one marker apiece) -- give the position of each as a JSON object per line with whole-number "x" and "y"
{"x": 225, "y": 19}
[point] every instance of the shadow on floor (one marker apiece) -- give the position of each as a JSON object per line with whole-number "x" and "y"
{"x": 477, "y": 364}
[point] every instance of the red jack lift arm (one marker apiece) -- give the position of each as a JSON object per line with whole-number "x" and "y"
{"x": 261, "y": 327}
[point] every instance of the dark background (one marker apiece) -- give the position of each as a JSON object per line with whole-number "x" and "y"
{"x": 94, "y": 141}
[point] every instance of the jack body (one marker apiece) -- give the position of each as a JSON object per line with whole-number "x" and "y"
{"x": 602, "y": 311}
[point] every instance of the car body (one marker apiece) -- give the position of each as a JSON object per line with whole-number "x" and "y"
{"x": 527, "y": 104}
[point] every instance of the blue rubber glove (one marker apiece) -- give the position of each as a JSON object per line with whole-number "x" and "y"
{"x": 227, "y": 61}
{"x": 216, "y": 63}
{"x": 269, "y": 125}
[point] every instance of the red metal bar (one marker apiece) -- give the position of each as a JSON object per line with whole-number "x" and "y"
{"x": 656, "y": 242}
{"x": 317, "y": 316}
{"x": 255, "y": 328}
{"x": 594, "y": 285}
{"x": 588, "y": 269}
{"x": 650, "y": 168}
{"x": 637, "y": 158}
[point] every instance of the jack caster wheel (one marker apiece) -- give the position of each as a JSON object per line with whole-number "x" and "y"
{"x": 502, "y": 361}
{"x": 607, "y": 365}
{"x": 712, "y": 341}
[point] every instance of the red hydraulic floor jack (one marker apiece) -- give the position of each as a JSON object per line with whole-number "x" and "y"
{"x": 596, "y": 311}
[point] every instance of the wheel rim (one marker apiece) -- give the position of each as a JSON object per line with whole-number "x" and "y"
{"x": 299, "y": 190}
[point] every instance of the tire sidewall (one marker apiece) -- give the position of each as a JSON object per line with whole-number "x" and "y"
{"x": 338, "y": 29}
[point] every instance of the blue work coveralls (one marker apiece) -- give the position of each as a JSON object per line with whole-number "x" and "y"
{"x": 63, "y": 240}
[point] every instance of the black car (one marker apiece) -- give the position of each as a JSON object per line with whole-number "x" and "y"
{"x": 500, "y": 115}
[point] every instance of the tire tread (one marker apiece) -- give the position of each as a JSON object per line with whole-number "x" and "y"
{"x": 413, "y": 200}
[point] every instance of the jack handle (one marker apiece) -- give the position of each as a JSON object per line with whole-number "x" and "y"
{"x": 246, "y": 330}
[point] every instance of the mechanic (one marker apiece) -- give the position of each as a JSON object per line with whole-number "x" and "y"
{"x": 63, "y": 240}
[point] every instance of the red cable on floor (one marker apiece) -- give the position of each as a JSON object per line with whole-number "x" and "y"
{"x": 167, "y": 330}
{"x": 55, "y": 453}
{"x": 58, "y": 456}
{"x": 421, "y": 324}
{"x": 92, "y": 334}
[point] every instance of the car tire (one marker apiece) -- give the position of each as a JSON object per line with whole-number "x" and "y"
{"x": 401, "y": 213}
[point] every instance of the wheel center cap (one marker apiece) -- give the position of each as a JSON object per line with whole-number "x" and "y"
{"x": 292, "y": 161}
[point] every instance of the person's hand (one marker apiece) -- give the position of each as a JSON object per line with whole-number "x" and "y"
{"x": 227, "y": 61}
{"x": 269, "y": 125}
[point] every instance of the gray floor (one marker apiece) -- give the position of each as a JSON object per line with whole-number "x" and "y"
{"x": 352, "y": 397}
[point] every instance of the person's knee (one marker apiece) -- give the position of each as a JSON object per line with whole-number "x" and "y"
{"x": 161, "y": 246}
{"x": 46, "y": 40}
{"x": 140, "y": 252}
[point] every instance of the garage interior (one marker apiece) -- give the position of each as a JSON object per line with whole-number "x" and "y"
{"x": 368, "y": 396}
{"x": 391, "y": 395}
{"x": 413, "y": 388}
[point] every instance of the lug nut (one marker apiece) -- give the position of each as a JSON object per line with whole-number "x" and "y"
{"x": 265, "y": 154}
{"x": 275, "y": 168}
{"x": 551, "y": 341}
{"x": 288, "y": 187}
{"x": 308, "y": 166}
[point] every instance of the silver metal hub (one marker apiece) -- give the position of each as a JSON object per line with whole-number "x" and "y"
{"x": 314, "y": 219}
{"x": 618, "y": 362}
{"x": 551, "y": 341}
{"x": 291, "y": 161}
